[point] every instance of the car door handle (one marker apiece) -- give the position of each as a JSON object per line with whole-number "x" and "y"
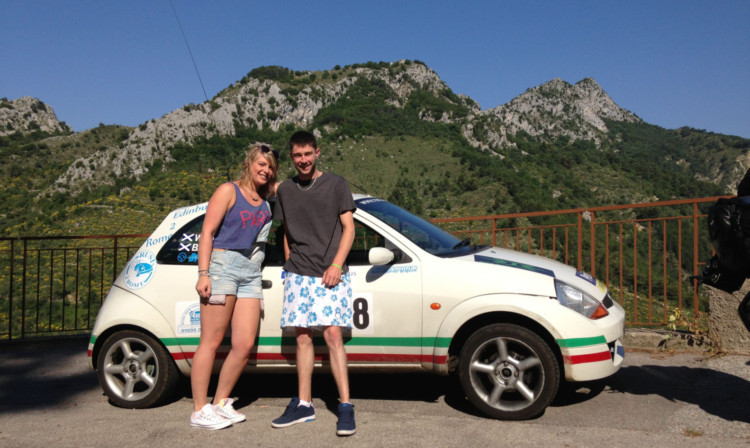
{"x": 267, "y": 284}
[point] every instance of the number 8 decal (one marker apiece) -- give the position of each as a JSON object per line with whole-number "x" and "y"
{"x": 362, "y": 319}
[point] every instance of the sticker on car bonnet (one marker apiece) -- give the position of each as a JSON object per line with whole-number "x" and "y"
{"x": 590, "y": 278}
{"x": 514, "y": 264}
{"x": 140, "y": 270}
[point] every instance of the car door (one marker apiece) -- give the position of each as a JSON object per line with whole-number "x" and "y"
{"x": 387, "y": 301}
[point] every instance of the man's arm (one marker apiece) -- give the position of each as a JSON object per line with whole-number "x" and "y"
{"x": 332, "y": 275}
{"x": 286, "y": 244}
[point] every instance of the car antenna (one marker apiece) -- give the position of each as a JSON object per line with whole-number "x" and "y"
{"x": 200, "y": 80}
{"x": 364, "y": 191}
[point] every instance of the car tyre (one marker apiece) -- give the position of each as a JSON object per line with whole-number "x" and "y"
{"x": 135, "y": 370}
{"x": 508, "y": 372}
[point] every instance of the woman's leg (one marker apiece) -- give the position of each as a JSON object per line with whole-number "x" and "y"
{"x": 214, "y": 322}
{"x": 245, "y": 321}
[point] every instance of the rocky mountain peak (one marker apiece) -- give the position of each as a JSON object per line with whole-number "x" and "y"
{"x": 276, "y": 97}
{"x": 28, "y": 114}
{"x": 557, "y": 108}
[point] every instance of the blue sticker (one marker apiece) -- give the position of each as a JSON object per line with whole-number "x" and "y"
{"x": 514, "y": 264}
{"x": 190, "y": 320}
{"x": 586, "y": 276}
{"x": 393, "y": 269}
{"x": 182, "y": 256}
{"x": 140, "y": 270}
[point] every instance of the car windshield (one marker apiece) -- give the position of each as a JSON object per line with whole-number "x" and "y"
{"x": 421, "y": 232}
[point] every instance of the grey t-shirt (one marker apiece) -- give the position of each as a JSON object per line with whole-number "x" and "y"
{"x": 311, "y": 214}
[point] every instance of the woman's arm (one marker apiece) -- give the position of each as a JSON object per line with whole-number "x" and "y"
{"x": 222, "y": 199}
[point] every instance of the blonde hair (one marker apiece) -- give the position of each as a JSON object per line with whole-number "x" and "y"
{"x": 253, "y": 153}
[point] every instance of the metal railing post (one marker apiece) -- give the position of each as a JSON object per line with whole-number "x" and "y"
{"x": 114, "y": 261}
{"x": 23, "y": 294}
{"x": 580, "y": 241}
{"x": 10, "y": 291}
{"x": 695, "y": 262}
{"x": 593, "y": 243}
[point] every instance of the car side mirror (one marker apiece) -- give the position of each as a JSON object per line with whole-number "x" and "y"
{"x": 378, "y": 256}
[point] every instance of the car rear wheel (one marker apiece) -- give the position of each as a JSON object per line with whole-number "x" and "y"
{"x": 135, "y": 370}
{"x": 508, "y": 372}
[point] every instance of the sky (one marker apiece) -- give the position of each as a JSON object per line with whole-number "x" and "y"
{"x": 673, "y": 63}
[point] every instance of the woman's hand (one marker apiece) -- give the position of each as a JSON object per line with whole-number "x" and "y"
{"x": 204, "y": 286}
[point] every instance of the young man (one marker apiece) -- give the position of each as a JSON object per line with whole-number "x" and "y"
{"x": 316, "y": 209}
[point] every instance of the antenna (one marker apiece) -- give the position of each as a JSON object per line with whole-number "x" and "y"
{"x": 189, "y": 51}
{"x": 197, "y": 72}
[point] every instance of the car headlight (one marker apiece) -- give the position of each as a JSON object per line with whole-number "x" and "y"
{"x": 579, "y": 301}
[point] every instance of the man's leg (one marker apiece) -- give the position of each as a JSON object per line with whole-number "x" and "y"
{"x": 337, "y": 352}
{"x": 295, "y": 412}
{"x": 305, "y": 363}
{"x": 346, "y": 425}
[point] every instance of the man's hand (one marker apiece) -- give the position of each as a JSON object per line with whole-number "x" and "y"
{"x": 332, "y": 276}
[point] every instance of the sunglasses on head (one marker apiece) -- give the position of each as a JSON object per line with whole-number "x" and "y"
{"x": 265, "y": 150}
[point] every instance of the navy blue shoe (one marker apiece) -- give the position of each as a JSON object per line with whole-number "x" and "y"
{"x": 294, "y": 414}
{"x": 346, "y": 425}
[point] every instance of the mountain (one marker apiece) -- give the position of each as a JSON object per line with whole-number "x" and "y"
{"x": 26, "y": 115}
{"x": 392, "y": 129}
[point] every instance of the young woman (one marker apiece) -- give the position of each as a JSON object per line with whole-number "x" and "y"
{"x": 230, "y": 253}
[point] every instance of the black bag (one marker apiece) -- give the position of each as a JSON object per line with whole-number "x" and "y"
{"x": 729, "y": 230}
{"x": 718, "y": 276}
{"x": 744, "y": 311}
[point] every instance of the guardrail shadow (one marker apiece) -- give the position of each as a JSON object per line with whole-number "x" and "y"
{"x": 44, "y": 374}
{"x": 718, "y": 393}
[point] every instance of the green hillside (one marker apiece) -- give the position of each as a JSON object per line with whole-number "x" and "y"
{"x": 399, "y": 150}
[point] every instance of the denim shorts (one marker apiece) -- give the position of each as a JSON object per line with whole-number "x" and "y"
{"x": 237, "y": 272}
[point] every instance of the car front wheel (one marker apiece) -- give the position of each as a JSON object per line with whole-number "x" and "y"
{"x": 135, "y": 370}
{"x": 508, "y": 372}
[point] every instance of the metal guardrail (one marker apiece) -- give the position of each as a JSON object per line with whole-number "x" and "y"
{"x": 54, "y": 285}
{"x": 644, "y": 253}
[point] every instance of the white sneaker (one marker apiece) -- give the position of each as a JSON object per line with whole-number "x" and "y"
{"x": 206, "y": 418}
{"x": 226, "y": 410}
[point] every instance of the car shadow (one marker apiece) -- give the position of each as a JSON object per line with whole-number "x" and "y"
{"x": 36, "y": 375}
{"x": 718, "y": 393}
{"x": 419, "y": 387}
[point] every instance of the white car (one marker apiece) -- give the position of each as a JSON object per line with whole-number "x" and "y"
{"x": 510, "y": 324}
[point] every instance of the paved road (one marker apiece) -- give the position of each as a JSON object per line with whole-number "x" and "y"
{"x": 49, "y": 398}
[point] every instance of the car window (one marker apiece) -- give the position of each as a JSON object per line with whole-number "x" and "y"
{"x": 422, "y": 233}
{"x": 182, "y": 247}
{"x": 365, "y": 238}
{"x": 275, "y": 245}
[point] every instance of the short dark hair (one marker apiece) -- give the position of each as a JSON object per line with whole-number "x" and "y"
{"x": 303, "y": 138}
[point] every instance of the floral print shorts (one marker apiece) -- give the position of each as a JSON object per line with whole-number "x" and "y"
{"x": 307, "y": 303}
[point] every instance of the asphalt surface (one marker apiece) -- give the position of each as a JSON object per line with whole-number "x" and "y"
{"x": 49, "y": 398}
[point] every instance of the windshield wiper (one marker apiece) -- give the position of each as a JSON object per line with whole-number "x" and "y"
{"x": 461, "y": 244}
